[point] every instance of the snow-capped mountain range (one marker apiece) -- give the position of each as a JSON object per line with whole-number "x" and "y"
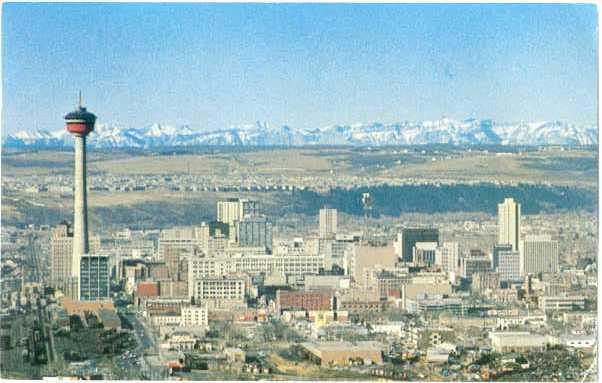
{"x": 443, "y": 131}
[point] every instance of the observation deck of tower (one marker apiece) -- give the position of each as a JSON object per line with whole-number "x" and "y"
{"x": 80, "y": 121}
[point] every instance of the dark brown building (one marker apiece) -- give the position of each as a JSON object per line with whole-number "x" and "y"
{"x": 304, "y": 300}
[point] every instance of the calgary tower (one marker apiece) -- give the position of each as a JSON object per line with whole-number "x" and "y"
{"x": 80, "y": 123}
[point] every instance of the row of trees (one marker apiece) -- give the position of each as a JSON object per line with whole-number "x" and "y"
{"x": 484, "y": 197}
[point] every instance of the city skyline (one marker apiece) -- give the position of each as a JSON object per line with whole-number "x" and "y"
{"x": 439, "y": 250}
{"x": 300, "y": 65}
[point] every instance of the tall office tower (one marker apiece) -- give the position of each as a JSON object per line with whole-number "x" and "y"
{"x": 228, "y": 211}
{"x": 408, "y": 238}
{"x": 447, "y": 256}
{"x": 508, "y": 220}
{"x": 249, "y": 207}
{"x": 61, "y": 257}
{"x": 495, "y": 255}
{"x": 94, "y": 278}
{"x": 328, "y": 223}
{"x": 234, "y": 209}
{"x": 61, "y": 251}
{"x": 254, "y": 231}
{"x": 80, "y": 123}
{"x": 173, "y": 258}
{"x": 539, "y": 254}
{"x": 424, "y": 253}
{"x": 509, "y": 266}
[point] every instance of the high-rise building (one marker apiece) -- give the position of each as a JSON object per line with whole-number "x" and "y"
{"x": 328, "y": 223}
{"x": 177, "y": 264}
{"x": 79, "y": 123}
{"x": 234, "y": 209}
{"x": 447, "y": 256}
{"x": 509, "y": 266}
{"x": 539, "y": 254}
{"x": 508, "y": 216}
{"x": 94, "y": 282}
{"x": 409, "y": 236}
{"x": 61, "y": 252}
{"x": 254, "y": 231}
{"x": 61, "y": 256}
{"x": 495, "y": 259}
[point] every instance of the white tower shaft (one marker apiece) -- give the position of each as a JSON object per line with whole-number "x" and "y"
{"x": 80, "y": 207}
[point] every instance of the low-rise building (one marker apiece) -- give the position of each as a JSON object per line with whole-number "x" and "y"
{"x": 316, "y": 300}
{"x": 437, "y": 355}
{"x": 506, "y": 322}
{"x": 313, "y": 282}
{"x": 235, "y": 355}
{"x": 223, "y": 288}
{"x": 109, "y": 319}
{"x": 166, "y": 319}
{"x": 254, "y": 265}
{"x": 194, "y": 316}
{"x": 582, "y": 320}
{"x": 390, "y": 328}
{"x": 579, "y": 341}
{"x": 181, "y": 342}
{"x": 561, "y": 303}
{"x": 519, "y": 341}
{"x": 343, "y": 353}
{"x": 434, "y": 304}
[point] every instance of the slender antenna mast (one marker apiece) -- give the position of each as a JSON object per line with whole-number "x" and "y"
{"x": 80, "y": 99}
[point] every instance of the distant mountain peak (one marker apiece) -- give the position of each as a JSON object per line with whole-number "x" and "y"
{"x": 443, "y": 131}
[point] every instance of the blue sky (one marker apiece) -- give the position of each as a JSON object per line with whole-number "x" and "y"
{"x": 213, "y": 66}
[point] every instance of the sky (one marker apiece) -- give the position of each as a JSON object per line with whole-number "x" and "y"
{"x": 213, "y": 66}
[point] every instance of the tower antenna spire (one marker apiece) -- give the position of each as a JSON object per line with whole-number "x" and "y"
{"x": 81, "y": 102}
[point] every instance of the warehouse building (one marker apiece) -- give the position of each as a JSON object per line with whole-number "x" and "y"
{"x": 343, "y": 353}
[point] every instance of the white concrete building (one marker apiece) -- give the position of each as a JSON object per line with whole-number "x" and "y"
{"x": 579, "y": 341}
{"x": 328, "y": 223}
{"x": 539, "y": 254}
{"x": 519, "y": 341}
{"x": 391, "y": 328}
{"x": 222, "y": 288}
{"x": 194, "y": 316}
{"x": 561, "y": 303}
{"x": 234, "y": 209}
{"x": 254, "y": 265}
{"x": 509, "y": 218}
{"x": 423, "y": 253}
{"x": 181, "y": 342}
{"x": 167, "y": 319}
{"x": 447, "y": 256}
